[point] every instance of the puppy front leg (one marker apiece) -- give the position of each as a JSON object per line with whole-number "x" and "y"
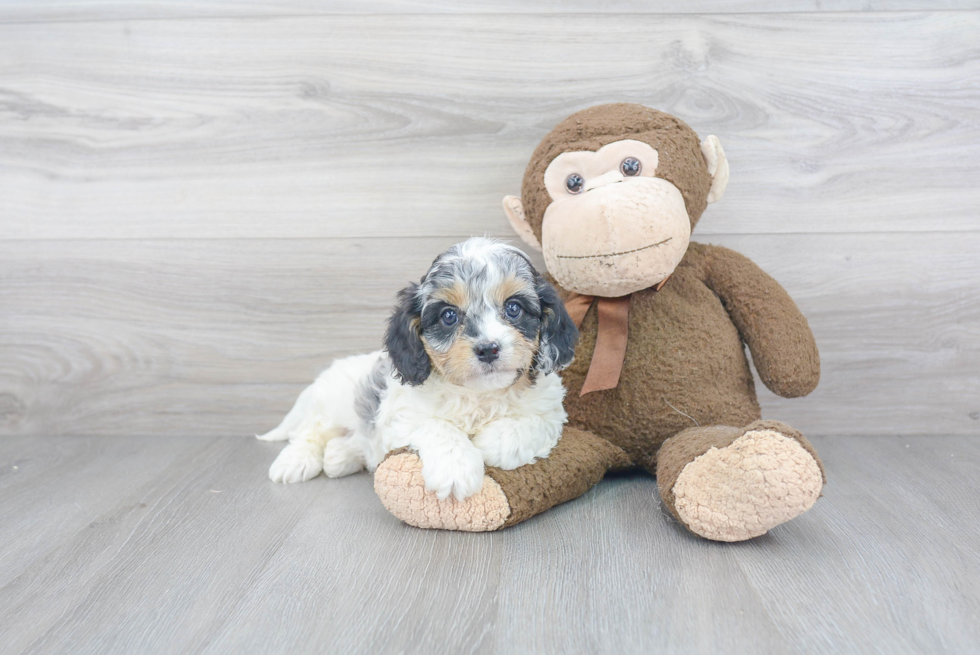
{"x": 451, "y": 464}
{"x": 508, "y": 443}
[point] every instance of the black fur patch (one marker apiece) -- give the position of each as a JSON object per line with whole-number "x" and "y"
{"x": 558, "y": 333}
{"x": 367, "y": 397}
{"x": 529, "y": 322}
{"x": 438, "y": 334}
{"x": 403, "y": 339}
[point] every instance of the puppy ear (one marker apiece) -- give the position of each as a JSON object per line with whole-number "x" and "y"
{"x": 403, "y": 339}
{"x": 558, "y": 333}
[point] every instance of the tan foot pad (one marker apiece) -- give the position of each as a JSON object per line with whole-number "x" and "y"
{"x": 399, "y": 484}
{"x": 741, "y": 491}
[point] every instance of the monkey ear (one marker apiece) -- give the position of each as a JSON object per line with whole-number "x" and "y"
{"x": 714, "y": 156}
{"x": 403, "y": 340}
{"x": 514, "y": 209}
{"x": 558, "y": 332}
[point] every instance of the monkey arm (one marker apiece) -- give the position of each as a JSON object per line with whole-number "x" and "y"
{"x": 776, "y": 332}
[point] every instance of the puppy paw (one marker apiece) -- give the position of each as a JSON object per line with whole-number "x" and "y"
{"x": 399, "y": 484}
{"x": 296, "y": 463}
{"x": 508, "y": 443}
{"x": 454, "y": 471}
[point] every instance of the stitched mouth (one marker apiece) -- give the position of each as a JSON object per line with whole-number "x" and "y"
{"x": 616, "y": 254}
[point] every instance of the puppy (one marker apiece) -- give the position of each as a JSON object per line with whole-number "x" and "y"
{"x": 467, "y": 378}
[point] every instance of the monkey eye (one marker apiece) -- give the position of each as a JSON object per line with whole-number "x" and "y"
{"x": 630, "y": 167}
{"x": 512, "y": 309}
{"x": 449, "y": 317}
{"x": 574, "y": 183}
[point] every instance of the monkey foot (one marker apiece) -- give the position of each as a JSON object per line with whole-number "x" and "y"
{"x": 763, "y": 476}
{"x": 399, "y": 484}
{"x": 507, "y": 497}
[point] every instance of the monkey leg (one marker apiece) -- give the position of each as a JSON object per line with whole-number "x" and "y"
{"x": 578, "y": 462}
{"x": 733, "y": 484}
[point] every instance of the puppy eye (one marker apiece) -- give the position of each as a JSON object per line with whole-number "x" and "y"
{"x": 630, "y": 167}
{"x": 574, "y": 183}
{"x": 512, "y": 309}
{"x": 449, "y": 317}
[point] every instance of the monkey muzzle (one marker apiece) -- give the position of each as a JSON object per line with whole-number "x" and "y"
{"x": 619, "y": 236}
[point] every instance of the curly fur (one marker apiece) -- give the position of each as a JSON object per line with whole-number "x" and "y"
{"x": 481, "y": 389}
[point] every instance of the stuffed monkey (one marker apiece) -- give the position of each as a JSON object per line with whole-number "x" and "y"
{"x": 661, "y": 380}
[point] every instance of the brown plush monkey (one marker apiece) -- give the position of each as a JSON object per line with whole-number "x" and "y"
{"x": 661, "y": 379}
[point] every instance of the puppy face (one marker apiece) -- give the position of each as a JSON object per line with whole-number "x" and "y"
{"x": 481, "y": 317}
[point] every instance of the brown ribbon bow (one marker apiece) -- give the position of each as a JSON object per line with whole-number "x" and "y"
{"x": 610, "y": 344}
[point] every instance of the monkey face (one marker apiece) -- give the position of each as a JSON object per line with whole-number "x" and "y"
{"x": 611, "y": 195}
{"x": 613, "y": 227}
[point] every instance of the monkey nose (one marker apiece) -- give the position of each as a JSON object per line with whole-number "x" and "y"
{"x": 487, "y": 352}
{"x": 606, "y": 178}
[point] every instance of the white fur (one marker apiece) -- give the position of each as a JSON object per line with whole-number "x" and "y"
{"x": 454, "y": 429}
{"x": 323, "y": 412}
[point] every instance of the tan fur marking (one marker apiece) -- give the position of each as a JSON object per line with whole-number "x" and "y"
{"x": 523, "y": 382}
{"x": 457, "y": 364}
{"x": 510, "y": 287}
{"x": 523, "y": 353}
{"x": 456, "y": 295}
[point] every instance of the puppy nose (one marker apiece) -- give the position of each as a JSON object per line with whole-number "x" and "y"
{"x": 487, "y": 352}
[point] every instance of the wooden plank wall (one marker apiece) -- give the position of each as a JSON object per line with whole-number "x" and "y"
{"x": 203, "y": 203}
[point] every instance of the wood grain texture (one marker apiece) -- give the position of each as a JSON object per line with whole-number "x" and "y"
{"x": 218, "y": 337}
{"x": 200, "y": 214}
{"x": 20, "y": 11}
{"x": 352, "y": 126}
{"x": 54, "y": 481}
{"x": 891, "y": 497}
{"x": 202, "y": 554}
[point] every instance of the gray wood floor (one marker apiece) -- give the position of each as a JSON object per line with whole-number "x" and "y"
{"x": 181, "y": 545}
